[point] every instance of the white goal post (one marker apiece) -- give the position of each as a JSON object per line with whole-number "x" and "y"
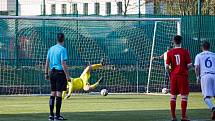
{"x": 178, "y": 27}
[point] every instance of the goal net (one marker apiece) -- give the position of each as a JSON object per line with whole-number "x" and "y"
{"x": 127, "y": 45}
{"x": 158, "y": 77}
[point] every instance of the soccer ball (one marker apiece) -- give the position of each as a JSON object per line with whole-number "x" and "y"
{"x": 104, "y": 92}
{"x": 164, "y": 91}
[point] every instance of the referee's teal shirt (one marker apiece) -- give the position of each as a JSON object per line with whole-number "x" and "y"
{"x": 56, "y": 55}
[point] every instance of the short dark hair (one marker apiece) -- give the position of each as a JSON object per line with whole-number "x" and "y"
{"x": 206, "y": 45}
{"x": 60, "y": 37}
{"x": 177, "y": 39}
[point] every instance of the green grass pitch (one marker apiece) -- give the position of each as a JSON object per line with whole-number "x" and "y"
{"x": 97, "y": 108}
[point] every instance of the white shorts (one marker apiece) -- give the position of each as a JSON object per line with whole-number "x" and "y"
{"x": 208, "y": 85}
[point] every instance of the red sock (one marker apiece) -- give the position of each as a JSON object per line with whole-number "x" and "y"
{"x": 173, "y": 106}
{"x": 183, "y": 108}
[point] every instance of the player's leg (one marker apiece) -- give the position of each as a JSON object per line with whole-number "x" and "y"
{"x": 173, "y": 106}
{"x": 166, "y": 79}
{"x": 86, "y": 73}
{"x": 53, "y": 95}
{"x": 70, "y": 89}
{"x": 95, "y": 66}
{"x": 208, "y": 102}
{"x": 96, "y": 84}
{"x": 207, "y": 90}
{"x": 61, "y": 86}
{"x": 51, "y": 105}
{"x": 210, "y": 105}
{"x": 184, "y": 100}
{"x": 183, "y": 84}
{"x": 89, "y": 68}
{"x": 173, "y": 92}
{"x": 208, "y": 86}
{"x": 213, "y": 109}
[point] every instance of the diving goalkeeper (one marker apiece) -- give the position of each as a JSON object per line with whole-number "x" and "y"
{"x": 82, "y": 82}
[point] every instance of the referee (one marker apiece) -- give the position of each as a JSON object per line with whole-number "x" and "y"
{"x": 56, "y": 60}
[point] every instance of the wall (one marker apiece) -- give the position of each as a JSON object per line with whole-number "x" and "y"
{"x": 35, "y": 7}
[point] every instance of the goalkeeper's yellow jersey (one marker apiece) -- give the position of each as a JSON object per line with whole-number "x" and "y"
{"x": 77, "y": 84}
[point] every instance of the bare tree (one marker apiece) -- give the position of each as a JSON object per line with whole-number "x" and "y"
{"x": 126, "y": 4}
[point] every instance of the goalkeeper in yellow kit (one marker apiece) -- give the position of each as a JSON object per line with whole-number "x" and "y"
{"x": 82, "y": 82}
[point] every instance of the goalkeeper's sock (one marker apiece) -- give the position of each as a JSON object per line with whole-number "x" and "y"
{"x": 51, "y": 105}
{"x": 183, "y": 106}
{"x": 209, "y": 103}
{"x": 58, "y": 105}
{"x": 173, "y": 106}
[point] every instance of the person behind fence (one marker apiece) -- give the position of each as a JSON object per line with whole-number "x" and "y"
{"x": 166, "y": 74}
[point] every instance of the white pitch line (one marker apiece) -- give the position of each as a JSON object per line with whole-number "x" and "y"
{"x": 193, "y": 120}
{"x": 201, "y": 120}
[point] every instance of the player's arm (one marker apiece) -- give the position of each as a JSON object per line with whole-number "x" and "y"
{"x": 159, "y": 57}
{"x": 168, "y": 62}
{"x": 65, "y": 69}
{"x": 64, "y": 65}
{"x": 190, "y": 65}
{"x": 197, "y": 69}
{"x": 188, "y": 59}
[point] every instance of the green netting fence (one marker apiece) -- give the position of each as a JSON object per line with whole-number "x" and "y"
{"x": 126, "y": 46}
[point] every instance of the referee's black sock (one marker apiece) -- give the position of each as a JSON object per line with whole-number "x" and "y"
{"x": 51, "y": 105}
{"x": 58, "y": 105}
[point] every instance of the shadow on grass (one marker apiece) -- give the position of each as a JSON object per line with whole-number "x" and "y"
{"x": 132, "y": 115}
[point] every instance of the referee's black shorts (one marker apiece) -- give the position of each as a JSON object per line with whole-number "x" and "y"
{"x": 58, "y": 80}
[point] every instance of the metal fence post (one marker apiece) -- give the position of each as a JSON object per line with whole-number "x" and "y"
{"x": 16, "y": 33}
{"x": 137, "y": 69}
{"x": 17, "y": 7}
{"x": 199, "y": 7}
{"x": 44, "y": 7}
{"x": 139, "y": 12}
{"x": 199, "y": 20}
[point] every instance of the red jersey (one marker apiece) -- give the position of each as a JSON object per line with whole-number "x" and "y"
{"x": 179, "y": 59}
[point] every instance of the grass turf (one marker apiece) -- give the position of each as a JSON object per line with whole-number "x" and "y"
{"x": 98, "y": 108}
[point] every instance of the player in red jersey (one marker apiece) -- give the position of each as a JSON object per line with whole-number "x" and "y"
{"x": 180, "y": 62}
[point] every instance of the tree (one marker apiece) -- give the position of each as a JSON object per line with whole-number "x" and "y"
{"x": 183, "y": 7}
{"x": 176, "y": 7}
{"x": 126, "y": 5}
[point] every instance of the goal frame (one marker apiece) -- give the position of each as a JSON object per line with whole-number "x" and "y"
{"x": 178, "y": 26}
{"x": 156, "y": 20}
